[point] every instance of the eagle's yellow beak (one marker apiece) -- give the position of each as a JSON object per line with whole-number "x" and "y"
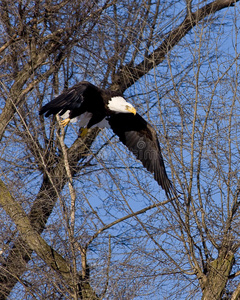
{"x": 131, "y": 109}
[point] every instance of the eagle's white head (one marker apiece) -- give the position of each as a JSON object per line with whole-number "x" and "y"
{"x": 120, "y": 105}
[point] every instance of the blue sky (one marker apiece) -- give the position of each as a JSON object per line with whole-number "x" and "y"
{"x": 167, "y": 97}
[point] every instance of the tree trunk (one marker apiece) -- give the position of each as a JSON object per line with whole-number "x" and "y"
{"x": 216, "y": 280}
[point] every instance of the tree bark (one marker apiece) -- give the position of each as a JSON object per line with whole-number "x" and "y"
{"x": 219, "y": 270}
{"x": 21, "y": 252}
{"x": 36, "y": 243}
{"x": 129, "y": 74}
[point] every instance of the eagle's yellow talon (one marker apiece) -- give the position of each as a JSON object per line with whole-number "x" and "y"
{"x": 83, "y": 132}
{"x": 65, "y": 122}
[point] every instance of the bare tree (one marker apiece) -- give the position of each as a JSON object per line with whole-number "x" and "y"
{"x": 80, "y": 218}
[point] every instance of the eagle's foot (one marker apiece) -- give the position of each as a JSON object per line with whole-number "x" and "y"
{"x": 83, "y": 132}
{"x": 65, "y": 122}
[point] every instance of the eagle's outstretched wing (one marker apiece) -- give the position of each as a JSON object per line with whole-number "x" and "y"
{"x": 72, "y": 99}
{"x": 141, "y": 139}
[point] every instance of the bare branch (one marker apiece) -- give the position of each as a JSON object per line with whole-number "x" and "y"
{"x": 129, "y": 74}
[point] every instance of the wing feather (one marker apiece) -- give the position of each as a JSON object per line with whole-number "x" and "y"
{"x": 71, "y": 99}
{"x": 141, "y": 140}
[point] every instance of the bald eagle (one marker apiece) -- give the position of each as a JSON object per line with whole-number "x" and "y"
{"x": 96, "y": 107}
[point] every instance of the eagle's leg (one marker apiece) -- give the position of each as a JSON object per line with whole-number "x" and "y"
{"x": 83, "y": 132}
{"x": 65, "y": 122}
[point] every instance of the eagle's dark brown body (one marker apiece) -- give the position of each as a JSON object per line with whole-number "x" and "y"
{"x": 133, "y": 131}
